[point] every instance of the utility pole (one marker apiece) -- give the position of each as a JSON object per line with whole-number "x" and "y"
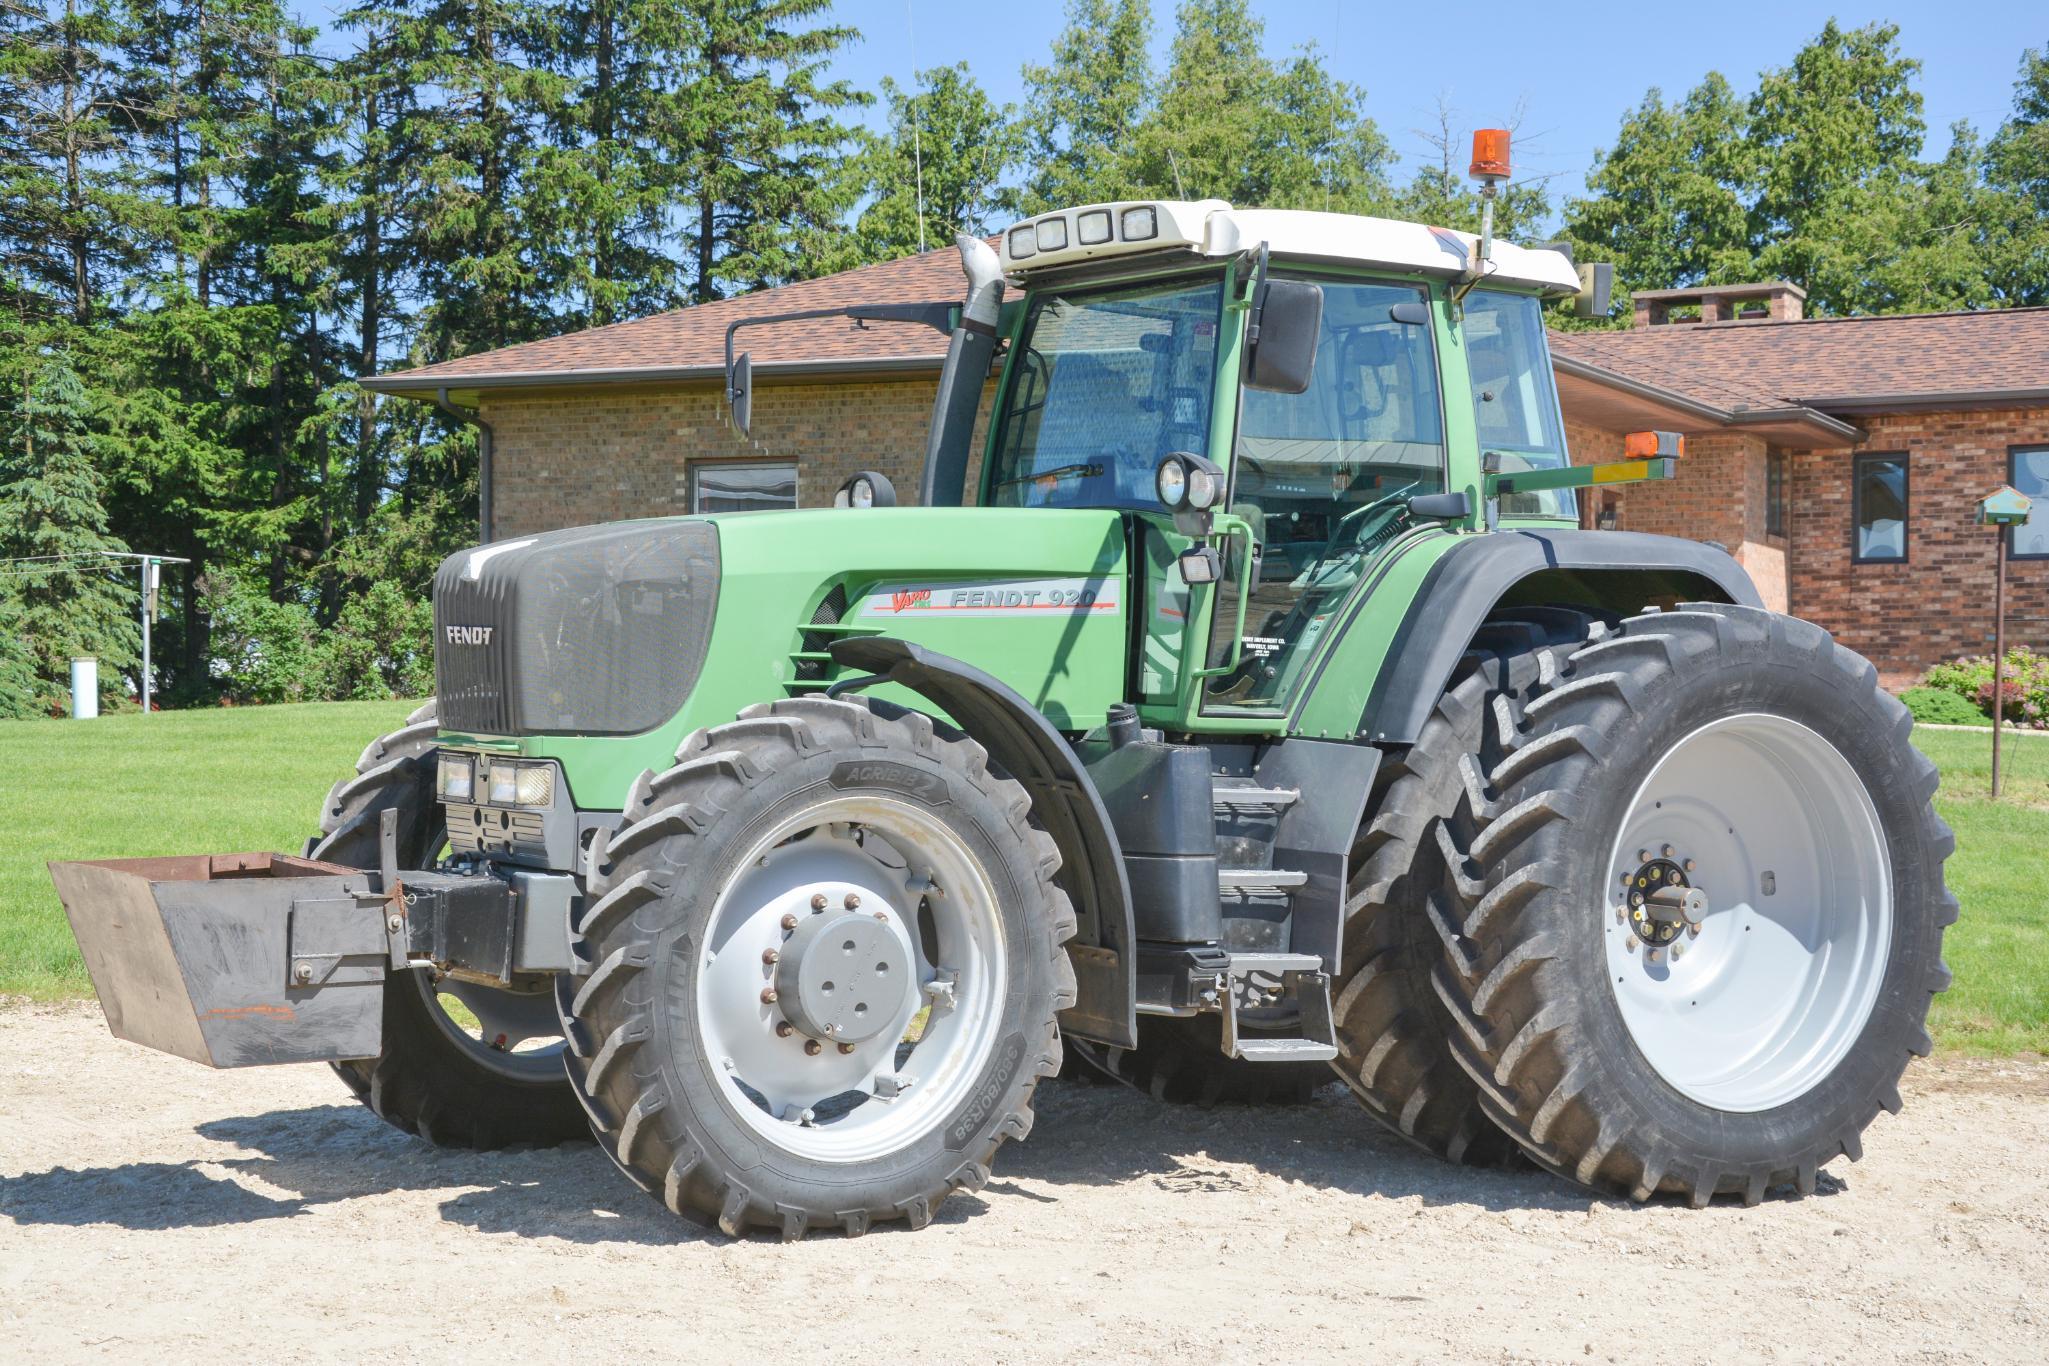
{"x": 151, "y": 567}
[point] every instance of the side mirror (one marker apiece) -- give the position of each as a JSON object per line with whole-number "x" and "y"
{"x": 1596, "y": 289}
{"x": 1442, "y": 507}
{"x": 1288, "y": 323}
{"x": 740, "y": 392}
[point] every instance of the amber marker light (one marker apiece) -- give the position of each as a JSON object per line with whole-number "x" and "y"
{"x": 1650, "y": 445}
{"x": 1490, "y": 154}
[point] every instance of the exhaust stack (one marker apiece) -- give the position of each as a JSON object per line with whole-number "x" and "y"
{"x": 968, "y": 355}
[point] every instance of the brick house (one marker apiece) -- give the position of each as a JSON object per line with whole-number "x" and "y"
{"x": 1838, "y": 459}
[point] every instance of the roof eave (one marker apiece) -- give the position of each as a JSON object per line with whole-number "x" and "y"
{"x": 1794, "y": 415}
{"x": 1930, "y": 401}
{"x": 425, "y": 384}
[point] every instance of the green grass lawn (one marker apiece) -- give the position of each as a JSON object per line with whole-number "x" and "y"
{"x": 176, "y": 782}
{"x": 220, "y": 781}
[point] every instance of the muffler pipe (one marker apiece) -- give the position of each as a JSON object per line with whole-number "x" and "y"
{"x": 968, "y": 357}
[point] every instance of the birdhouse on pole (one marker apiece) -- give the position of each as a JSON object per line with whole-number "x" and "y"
{"x": 2006, "y": 507}
{"x": 2001, "y": 509}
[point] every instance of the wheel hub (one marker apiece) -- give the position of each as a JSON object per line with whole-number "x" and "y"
{"x": 1662, "y": 901}
{"x": 844, "y": 976}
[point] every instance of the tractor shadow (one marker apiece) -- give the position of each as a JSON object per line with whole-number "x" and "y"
{"x": 284, "y": 1163}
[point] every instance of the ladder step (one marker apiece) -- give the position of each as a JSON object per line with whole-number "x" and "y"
{"x": 1232, "y": 797}
{"x": 1286, "y": 1050}
{"x": 1259, "y": 879}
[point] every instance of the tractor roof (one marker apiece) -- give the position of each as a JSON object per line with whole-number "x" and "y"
{"x": 1212, "y": 228}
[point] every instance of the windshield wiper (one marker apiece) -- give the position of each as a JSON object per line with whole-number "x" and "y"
{"x": 1080, "y": 471}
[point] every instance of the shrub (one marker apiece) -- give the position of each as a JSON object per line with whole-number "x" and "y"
{"x": 1937, "y": 707}
{"x": 2026, "y": 685}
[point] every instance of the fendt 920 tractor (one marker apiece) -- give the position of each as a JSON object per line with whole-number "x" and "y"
{"x": 1261, "y": 709}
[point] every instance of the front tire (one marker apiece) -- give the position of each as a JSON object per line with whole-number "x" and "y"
{"x": 824, "y": 954}
{"x": 1742, "y": 765}
{"x": 455, "y": 1085}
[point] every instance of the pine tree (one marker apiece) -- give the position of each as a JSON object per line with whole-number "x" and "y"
{"x": 755, "y": 128}
{"x": 66, "y": 599}
{"x": 1083, "y": 107}
{"x": 938, "y": 169}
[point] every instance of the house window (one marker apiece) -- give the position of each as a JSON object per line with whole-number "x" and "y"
{"x": 1775, "y": 493}
{"x": 2028, "y": 471}
{"x": 1878, "y": 532}
{"x": 752, "y": 487}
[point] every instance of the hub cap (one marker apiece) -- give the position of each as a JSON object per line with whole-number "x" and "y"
{"x": 850, "y": 985}
{"x": 1750, "y": 912}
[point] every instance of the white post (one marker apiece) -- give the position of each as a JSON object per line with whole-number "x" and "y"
{"x": 85, "y": 688}
{"x": 149, "y": 595}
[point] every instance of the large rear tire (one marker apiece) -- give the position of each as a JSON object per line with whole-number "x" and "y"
{"x": 824, "y": 955}
{"x": 1393, "y": 1045}
{"x": 1696, "y": 920}
{"x": 452, "y": 1083}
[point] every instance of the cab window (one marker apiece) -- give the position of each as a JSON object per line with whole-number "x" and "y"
{"x": 1515, "y": 400}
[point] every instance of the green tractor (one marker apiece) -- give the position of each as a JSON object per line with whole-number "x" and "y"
{"x": 1247, "y": 710}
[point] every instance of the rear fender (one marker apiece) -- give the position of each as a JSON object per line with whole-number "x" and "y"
{"x": 1615, "y": 571}
{"x": 1025, "y": 744}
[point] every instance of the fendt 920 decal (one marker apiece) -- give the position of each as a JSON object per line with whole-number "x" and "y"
{"x": 998, "y": 598}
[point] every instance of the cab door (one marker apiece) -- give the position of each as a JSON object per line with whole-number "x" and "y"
{"x": 1321, "y": 479}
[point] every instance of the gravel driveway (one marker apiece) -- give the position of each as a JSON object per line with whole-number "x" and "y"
{"x": 153, "y": 1210}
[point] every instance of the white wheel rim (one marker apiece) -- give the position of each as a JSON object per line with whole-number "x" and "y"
{"x": 892, "y": 856}
{"x": 1763, "y": 999}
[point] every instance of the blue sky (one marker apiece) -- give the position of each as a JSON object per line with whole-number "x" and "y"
{"x": 1572, "y": 66}
{"x": 1575, "y": 68}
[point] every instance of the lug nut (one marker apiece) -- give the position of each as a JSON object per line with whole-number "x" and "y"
{"x": 784, "y": 1029}
{"x": 1643, "y": 856}
{"x": 853, "y": 901}
{"x": 1688, "y": 865}
{"x": 768, "y": 996}
{"x": 882, "y": 915}
{"x": 770, "y": 955}
{"x": 818, "y": 901}
{"x": 846, "y": 1048}
{"x": 1678, "y": 951}
{"x": 1666, "y": 851}
{"x": 813, "y": 1047}
{"x": 789, "y": 922}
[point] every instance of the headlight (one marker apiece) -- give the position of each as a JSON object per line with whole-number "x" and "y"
{"x": 507, "y": 783}
{"x": 1204, "y": 486}
{"x": 861, "y": 493}
{"x": 1023, "y": 242}
{"x": 1093, "y": 228}
{"x": 535, "y": 785}
{"x": 1140, "y": 224}
{"x": 456, "y": 780}
{"x": 1051, "y": 234}
{"x": 1170, "y": 481}
{"x": 866, "y": 489}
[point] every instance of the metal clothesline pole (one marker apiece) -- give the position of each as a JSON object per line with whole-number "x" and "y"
{"x": 151, "y": 569}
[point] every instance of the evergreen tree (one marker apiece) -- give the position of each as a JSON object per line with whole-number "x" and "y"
{"x": 1083, "y": 107}
{"x": 754, "y": 128}
{"x": 1229, "y": 123}
{"x": 943, "y": 157}
{"x": 65, "y": 600}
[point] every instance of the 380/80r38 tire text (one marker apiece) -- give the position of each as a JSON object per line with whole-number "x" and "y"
{"x": 823, "y": 956}
{"x": 1696, "y": 920}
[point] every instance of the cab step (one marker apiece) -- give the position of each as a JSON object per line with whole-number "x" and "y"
{"x": 1264, "y": 981}
{"x": 1229, "y": 796}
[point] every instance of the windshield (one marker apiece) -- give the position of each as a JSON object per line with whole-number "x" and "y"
{"x": 1515, "y": 402}
{"x": 1106, "y": 382}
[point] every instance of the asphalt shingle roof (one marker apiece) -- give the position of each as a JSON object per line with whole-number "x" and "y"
{"x": 1828, "y": 363}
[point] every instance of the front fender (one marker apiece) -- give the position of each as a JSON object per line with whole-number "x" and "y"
{"x": 1025, "y": 744}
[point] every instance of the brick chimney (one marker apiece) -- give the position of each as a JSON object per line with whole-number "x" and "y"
{"x": 1777, "y": 301}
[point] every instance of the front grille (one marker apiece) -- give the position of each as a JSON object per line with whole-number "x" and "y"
{"x": 592, "y": 631}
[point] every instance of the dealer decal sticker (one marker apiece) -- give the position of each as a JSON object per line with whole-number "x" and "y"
{"x": 1002, "y": 598}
